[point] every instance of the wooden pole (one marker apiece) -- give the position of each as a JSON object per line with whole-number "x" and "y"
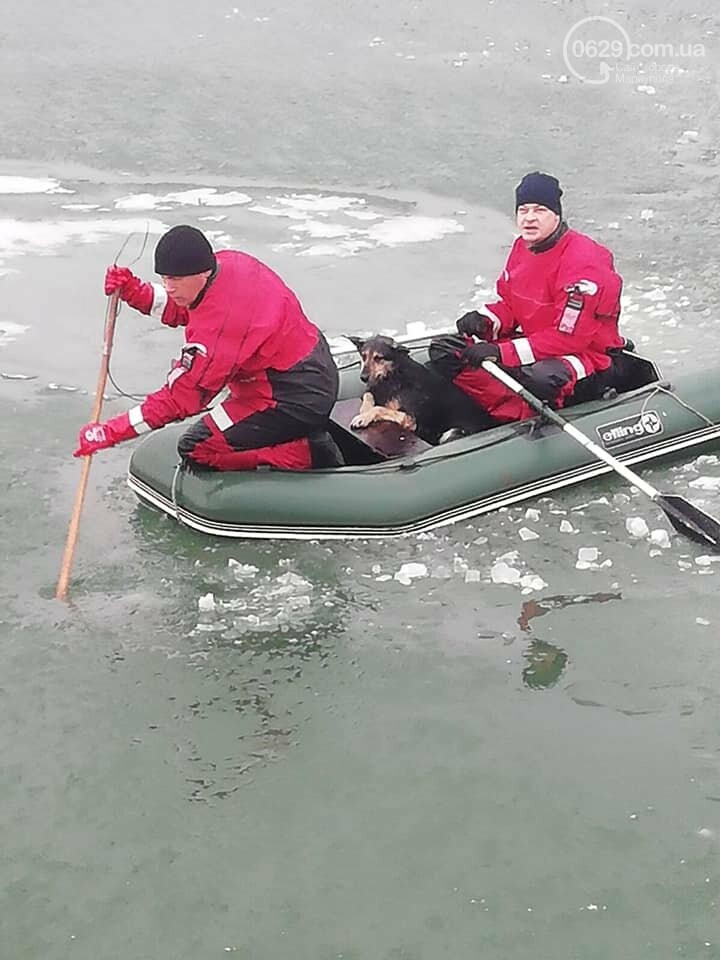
{"x": 73, "y": 529}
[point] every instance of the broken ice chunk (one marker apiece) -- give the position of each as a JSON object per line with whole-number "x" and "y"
{"x": 411, "y": 571}
{"x": 637, "y": 527}
{"x": 532, "y": 514}
{"x": 566, "y": 527}
{"x": 242, "y": 571}
{"x": 705, "y": 560}
{"x": 531, "y": 581}
{"x": 472, "y": 576}
{"x": 588, "y": 554}
{"x": 527, "y": 534}
{"x": 661, "y": 538}
{"x": 206, "y": 603}
{"x": 501, "y": 572}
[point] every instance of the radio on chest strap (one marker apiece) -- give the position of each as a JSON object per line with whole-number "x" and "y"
{"x": 575, "y": 302}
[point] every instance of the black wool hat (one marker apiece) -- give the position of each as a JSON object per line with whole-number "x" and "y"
{"x": 182, "y": 252}
{"x": 539, "y": 188}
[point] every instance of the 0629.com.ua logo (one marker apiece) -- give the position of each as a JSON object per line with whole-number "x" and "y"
{"x": 598, "y": 49}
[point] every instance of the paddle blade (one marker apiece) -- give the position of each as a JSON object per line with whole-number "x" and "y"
{"x": 690, "y": 520}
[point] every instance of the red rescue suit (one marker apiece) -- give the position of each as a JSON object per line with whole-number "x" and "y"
{"x": 248, "y": 333}
{"x": 563, "y": 302}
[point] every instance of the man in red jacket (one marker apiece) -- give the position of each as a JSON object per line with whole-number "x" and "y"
{"x": 244, "y": 330}
{"x": 556, "y": 313}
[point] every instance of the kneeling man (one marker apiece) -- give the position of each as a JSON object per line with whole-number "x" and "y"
{"x": 244, "y": 330}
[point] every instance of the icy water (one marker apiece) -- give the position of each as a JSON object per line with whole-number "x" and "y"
{"x": 364, "y": 751}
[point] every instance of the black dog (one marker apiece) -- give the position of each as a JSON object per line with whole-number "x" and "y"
{"x": 401, "y": 390}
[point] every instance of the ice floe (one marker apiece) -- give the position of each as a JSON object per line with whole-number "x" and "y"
{"x": 18, "y": 237}
{"x": 199, "y": 197}
{"x": 710, "y": 484}
{"x": 10, "y": 331}
{"x": 31, "y": 185}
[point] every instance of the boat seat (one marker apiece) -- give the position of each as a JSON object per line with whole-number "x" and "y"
{"x": 373, "y": 444}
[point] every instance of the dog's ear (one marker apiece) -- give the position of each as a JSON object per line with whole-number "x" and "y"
{"x": 402, "y": 349}
{"x": 357, "y": 342}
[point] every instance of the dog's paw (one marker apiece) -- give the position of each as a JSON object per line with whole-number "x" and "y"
{"x": 362, "y": 420}
{"x": 408, "y": 423}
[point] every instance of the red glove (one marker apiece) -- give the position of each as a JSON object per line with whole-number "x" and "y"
{"x": 131, "y": 288}
{"x": 97, "y": 436}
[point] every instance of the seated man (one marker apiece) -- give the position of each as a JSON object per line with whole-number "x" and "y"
{"x": 555, "y": 319}
{"x": 245, "y": 330}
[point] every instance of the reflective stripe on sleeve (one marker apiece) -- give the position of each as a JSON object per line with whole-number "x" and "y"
{"x": 174, "y": 374}
{"x": 577, "y": 366}
{"x": 159, "y": 300}
{"x": 219, "y": 415}
{"x": 137, "y": 421}
{"x": 523, "y": 350}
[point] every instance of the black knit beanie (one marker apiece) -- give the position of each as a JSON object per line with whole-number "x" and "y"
{"x": 182, "y": 252}
{"x": 539, "y": 188}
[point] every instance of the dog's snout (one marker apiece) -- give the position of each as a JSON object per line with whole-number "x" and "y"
{"x": 364, "y": 376}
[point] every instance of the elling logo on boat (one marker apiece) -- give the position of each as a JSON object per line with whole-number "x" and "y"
{"x": 642, "y": 425}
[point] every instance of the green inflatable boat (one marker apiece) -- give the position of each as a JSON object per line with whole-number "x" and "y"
{"x": 393, "y": 483}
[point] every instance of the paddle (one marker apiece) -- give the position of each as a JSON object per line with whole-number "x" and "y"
{"x": 73, "y": 529}
{"x": 687, "y": 519}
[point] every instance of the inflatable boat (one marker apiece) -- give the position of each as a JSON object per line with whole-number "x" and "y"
{"x": 392, "y": 483}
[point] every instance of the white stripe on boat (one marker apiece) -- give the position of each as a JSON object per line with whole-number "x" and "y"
{"x": 465, "y": 512}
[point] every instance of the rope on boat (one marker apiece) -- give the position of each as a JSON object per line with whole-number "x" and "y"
{"x": 683, "y": 403}
{"x": 173, "y": 487}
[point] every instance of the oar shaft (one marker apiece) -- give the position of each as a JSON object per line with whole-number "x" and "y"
{"x": 72, "y": 534}
{"x": 74, "y": 526}
{"x": 600, "y": 452}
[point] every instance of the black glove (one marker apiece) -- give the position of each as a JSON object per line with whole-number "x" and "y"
{"x": 474, "y": 356}
{"x": 474, "y": 324}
